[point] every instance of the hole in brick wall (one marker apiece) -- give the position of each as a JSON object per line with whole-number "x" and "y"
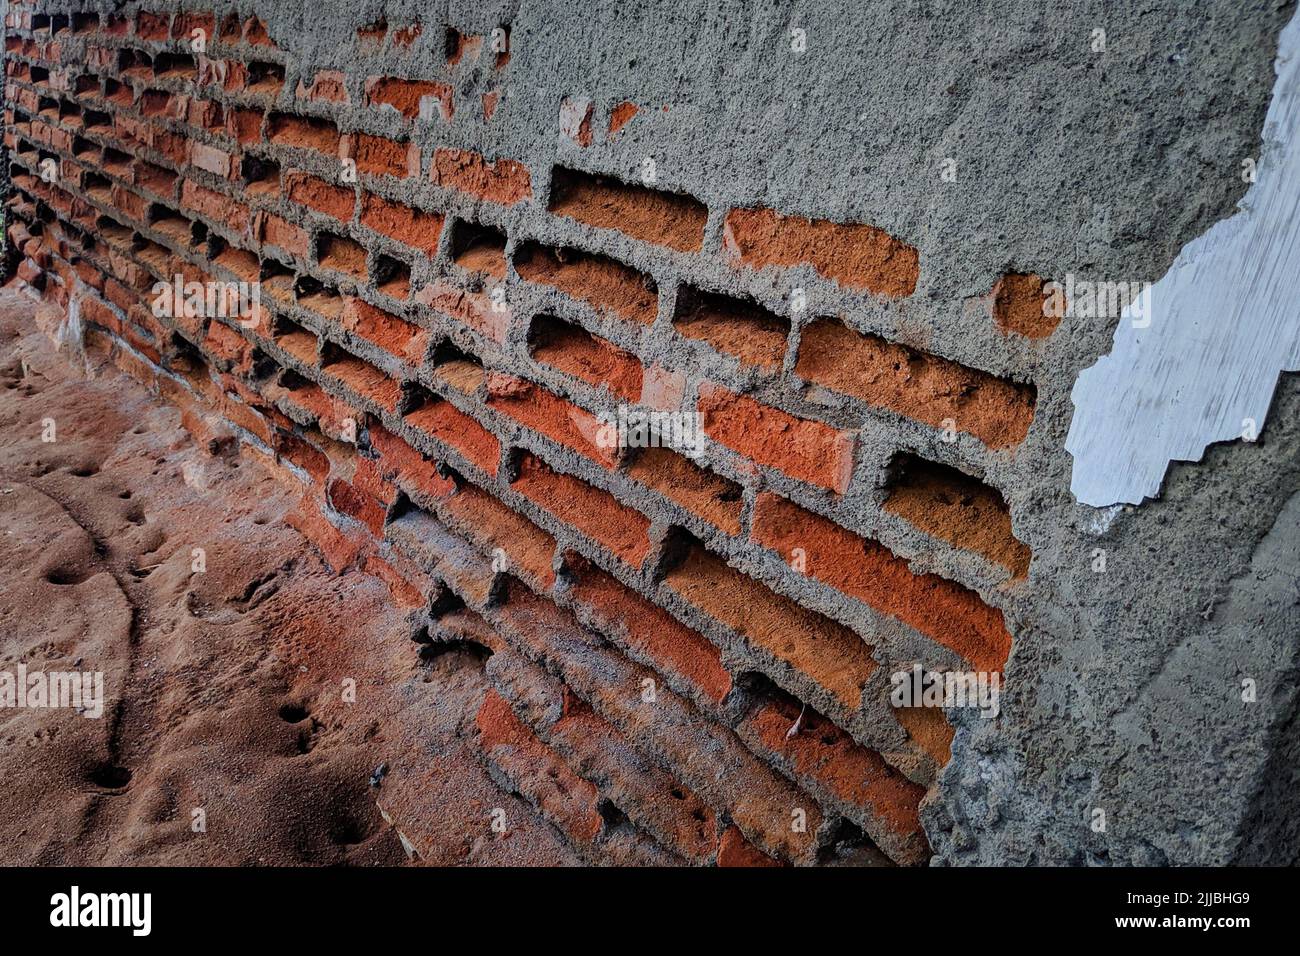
{"x": 40, "y": 21}
{"x": 134, "y": 63}
{"x": 40, "y": 75}
{"x": 754, "y": 690}
{"x": 264, "y": 77}
{"x": 610, "y": 813}
{"x": 117, "y": 92}
{"x": 604, "y": 283}
{"x": 678, "y": 545}
{"x": 60, "y": 22}
{"x": 86, "y": 85}
{"x": 302, "y": 132}
{"x": 667, "y": 219}
{"x": 95, "y": 119}
{"x": 155, "y": 103}
{"x": 447, "y": 602}
{"x": 168, "y": 221}
{"x": 116, "y": 162}
{"x": 478, "y": 248}
{"x": 96, "y": 186}
{"x": 261, "y": 176}
{"x": 176, "y": 64}
{"x": 199, "y": 235}
{"x": 847, "y": 844}
{"x": 70, "y": 113}
{"x": 116, "y": 25}
{"x": 264, "y": 367}
{"x": 295, "y": 340}
{"x": 341, "y": 254}
{"x": 435, "y": 649}
{"x": 276, "y": 280}
{"x": 574, "y": 351}
{"x": 737, "y": 327}
{"x": 48, "y": 106}
{"x": 451, "y": 45}
{"x": 459, "y": 369}
{"x": 231, "y": 28}
{"x": 183, "y": 356}
{"x": 315, "y": 295}
{"x": 112, "y": 229}
{"x": 955, "y": 507}
{"x": 392, "y": 276}
{"x": 85, "y": 22}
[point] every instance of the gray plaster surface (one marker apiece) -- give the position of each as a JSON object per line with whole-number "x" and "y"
{"x": 1197, "y": 360}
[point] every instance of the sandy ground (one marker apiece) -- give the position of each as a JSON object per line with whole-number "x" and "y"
{"x": 226, "y": 738}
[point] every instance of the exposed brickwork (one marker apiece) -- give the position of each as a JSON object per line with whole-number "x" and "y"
{"x": 660, "y": 696}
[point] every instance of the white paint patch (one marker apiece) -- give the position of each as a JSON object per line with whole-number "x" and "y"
{"x": 1224, "y": 322}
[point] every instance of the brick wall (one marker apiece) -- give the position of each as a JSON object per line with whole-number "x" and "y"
{"x": 691, "y": 658}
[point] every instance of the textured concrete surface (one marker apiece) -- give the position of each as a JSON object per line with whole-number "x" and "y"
{"x": 1123, "y": 691}
{"x": 1197, "y": 361}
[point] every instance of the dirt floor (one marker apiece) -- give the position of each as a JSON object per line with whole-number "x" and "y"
{"x": 226, "y": 738}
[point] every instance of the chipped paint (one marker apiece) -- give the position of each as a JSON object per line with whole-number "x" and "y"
{"x": 1202, "y": 365}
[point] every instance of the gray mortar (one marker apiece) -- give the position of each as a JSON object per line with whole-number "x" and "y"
{"x": 1123, "y": 688}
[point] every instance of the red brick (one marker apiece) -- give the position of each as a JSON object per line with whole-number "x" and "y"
{"x": 285, "y": 129}
{"x": 944, "y": 611}
{"x": 547, "y": 413}
{"x": 668, "y": 219}
{"x": 412, "y": 98}
{"x": 735, "y": 851}
{"x": 489, "y": 525}
{"x": 832, "y": 656}
{"x": 448, "y": 424}
{"x": 474, "y": 310}
{"x": 577, "y": 352}
{"x": 565, "y": 799}
{"x": 803, "y": 449}
{"x": 335, "y": 201}
{"x": 349, "y": 500}
{"x": 380, "y": 156}
{"x": 211, "y": 159}
{"x": 394, "y": 335}
{"x": 215, "y": 206}
{"x": 327, "y": 86}
{"x": 414, "y": 227}
{"x": 503, "y": 181}
{"x": 274, "y": 231}
{"x": 856, "y": 256}
{"x": 651, "y": 635}
{"x": 405, "y": 465}
{"x": 596, "y": 513}
{"x": 930, "y": 389}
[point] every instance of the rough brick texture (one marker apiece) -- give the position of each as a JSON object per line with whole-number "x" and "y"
{"x": 445, "y": 339}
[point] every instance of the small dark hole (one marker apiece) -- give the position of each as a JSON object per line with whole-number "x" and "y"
{"x": 293, "y": 713}
{"x": 110, "y": 777}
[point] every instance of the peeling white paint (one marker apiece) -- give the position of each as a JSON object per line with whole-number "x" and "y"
{"x": 1224, "y": 322}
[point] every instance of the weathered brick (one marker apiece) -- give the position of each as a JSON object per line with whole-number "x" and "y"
{"x": 803, "y": 449}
